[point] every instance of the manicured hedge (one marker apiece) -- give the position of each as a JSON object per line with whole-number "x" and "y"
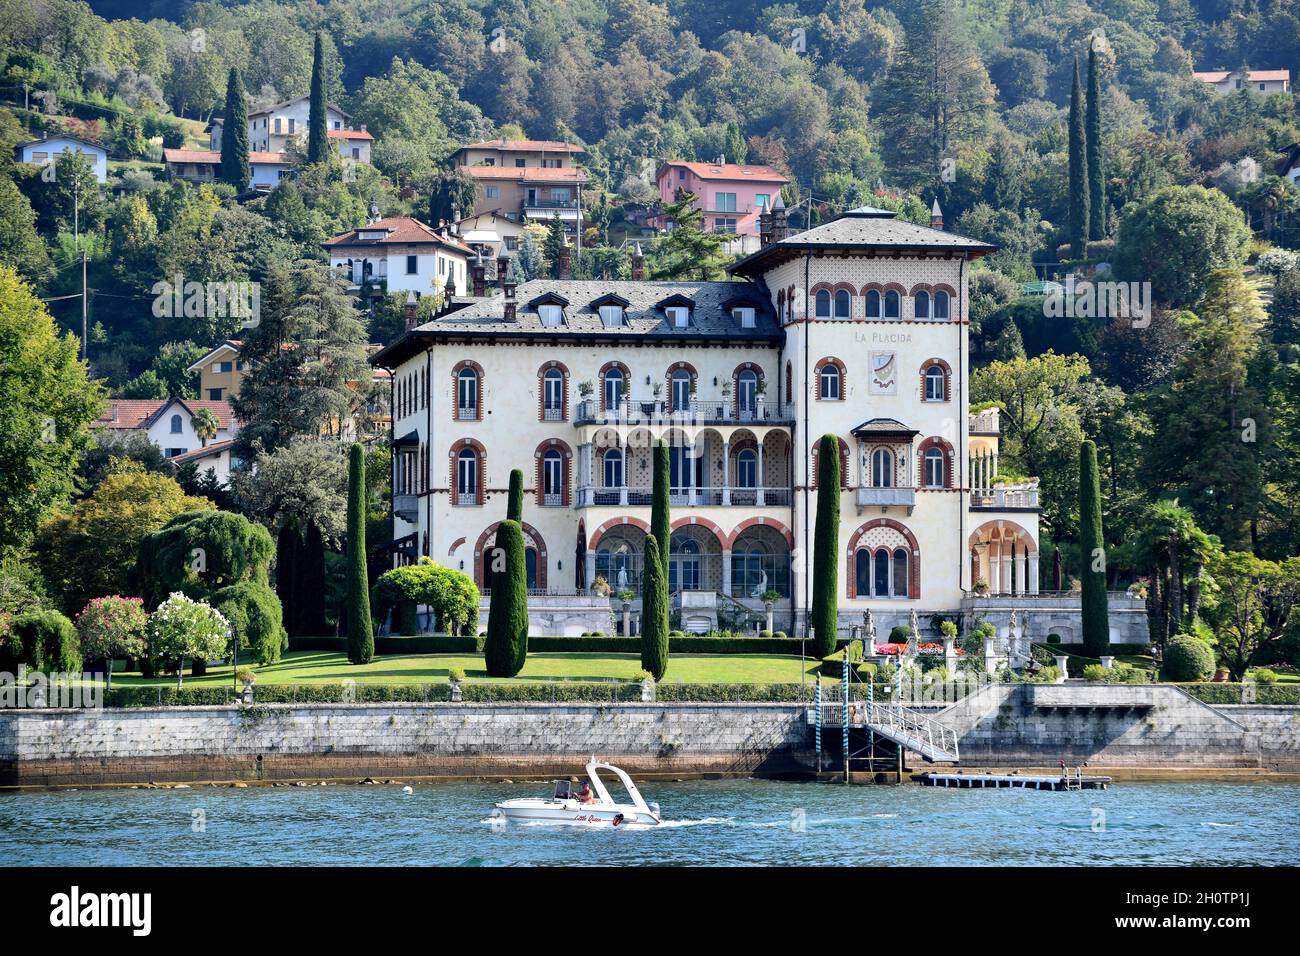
{"x": 1231, "y": 693}
{"x": 436, "y": 692}
{"x": 395, "y": 644}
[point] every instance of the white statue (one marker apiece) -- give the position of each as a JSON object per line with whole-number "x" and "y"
{"x": 761, "y": 587}
{"x": 622, "y": 577}
{"x": 914, "y": 639}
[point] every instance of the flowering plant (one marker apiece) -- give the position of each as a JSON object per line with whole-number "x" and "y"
{"x": 112, "y": 626}
{"x": 182, "y": 628}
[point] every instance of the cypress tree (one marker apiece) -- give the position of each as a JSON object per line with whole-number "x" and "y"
{"x": 660, "y": 509}
{"x": 1078, "y": 170}
{"x": 234, "y": 135}
{"x": 288, "y": 578}
{"x": 515, "y": 500}
{"x": 361, "y": 633}
{"x": 311, "y": 591}
{"x": 318, "y": 143}
{"x": 1096, "y": 615}
{"x": 826, "y": 543}
{"x": 506, "y": 647}
{"x": 1096, "y": 162}
{"x": 654, "y": 611}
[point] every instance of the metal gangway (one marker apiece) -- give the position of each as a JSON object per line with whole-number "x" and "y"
{"x": 834, "y": 706}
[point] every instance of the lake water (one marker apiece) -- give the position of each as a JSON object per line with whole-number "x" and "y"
{"x": 725, "y": 822}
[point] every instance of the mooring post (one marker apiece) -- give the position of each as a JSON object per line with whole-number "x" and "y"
{"x": 844, "y": 709}
{"x": 817, "y": 720}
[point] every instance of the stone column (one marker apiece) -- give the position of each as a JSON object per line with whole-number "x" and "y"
{"x": 990, "y": 656}
{"x": 995, "y": 567}
{"x": 759, "y": 480}
{"x": 949, "y": 655}
{"x": 726, "y": 472}
{"x": 1033, "y": 572}
{"x": 726, "y": 572}
{"x": 690, "y": 472}
{"x": 1061, "y": 660}
{"x": 1020, "y": 569}
{"x": 1005, "y": 558}
{"x": 1108, "y": 662}
{"x": 589, "y": 567}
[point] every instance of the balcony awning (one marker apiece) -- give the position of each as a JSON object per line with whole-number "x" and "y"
{"x": 410, "y": 438}
{"x": 885, "y": 428}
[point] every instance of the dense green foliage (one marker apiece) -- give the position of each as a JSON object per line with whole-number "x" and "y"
{"x": 234, "y": 138}
{"x": 1092, "y": 551}
{"x": 361, "y": 633}
{"x": 1079, "y": 194}
{"x": 515, "y": 498}
{"x": 826, "y": 548}
{"x": 450, "y": 595}
{"x": 1188, "y": 658}
{"x": 660, "y": 508}
{"x": 506, "y": 648}
{"x": 254, "y": 612}
{"x": 110, "y": 627}
{"x": 44, "y": 641}
{"x": 318, "y": 144}
{"x": 654, "y": 610}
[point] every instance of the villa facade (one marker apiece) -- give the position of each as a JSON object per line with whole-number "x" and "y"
{"x": 857, "y": 328}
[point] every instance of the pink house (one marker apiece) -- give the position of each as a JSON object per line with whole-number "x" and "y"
{"x": 730, "y": 194}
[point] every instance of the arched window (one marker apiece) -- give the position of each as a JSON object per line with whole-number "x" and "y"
{"x": 613, "y": 388}
{"x": 873, "y": 305}
{"x": 862, "y": 572}
{"x": 900, "y": 573}
{"x": 553, "y": 395}
{"x": 177, "y": 427}
{"x": 882, "y": 468}
{"x": 747, "y": 390}
{"x": 829, "y": 386}
{"x": 747, "y": 469}
{"x": 613, "y": 468}
{"x": 467, "y": 477}
{"x": 934, "y": 468}
{"x": 880, "y": 579}
{"x": 467, "y": 395}
{"x": 941, "y": 304}
{"x": 823, "y": 304}
{"x": 552, "y": 478}
{"x": 680, "y": 390}
{"x": 922, "y": 304}
{"x": 936, "y": 384}
{"x": 893, "y": 304}
{"x": 683, "y": 565}
{"x": 842, "y": 305}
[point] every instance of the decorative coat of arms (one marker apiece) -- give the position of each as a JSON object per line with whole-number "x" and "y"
{"x": 884, "y": 374}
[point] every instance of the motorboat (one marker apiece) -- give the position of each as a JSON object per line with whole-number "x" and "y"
{"x": 565, "y": 806}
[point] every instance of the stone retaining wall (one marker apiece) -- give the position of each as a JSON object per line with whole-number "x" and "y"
{"x": 285, "y": 741}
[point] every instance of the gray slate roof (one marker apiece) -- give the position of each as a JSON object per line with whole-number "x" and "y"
{"x": 709, "y": 317}
{"x": 865, "y": 228}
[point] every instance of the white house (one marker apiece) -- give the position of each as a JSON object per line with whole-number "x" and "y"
{"x": 1257, "y": 81}
{"x": 204, "y": 166}
{"x": 39, "y": 152}
{"x": 491, "y": 233}
{"x": 401, "y": 254}
{"x": 168, "y": 422}
{"x": 215, "y": 458}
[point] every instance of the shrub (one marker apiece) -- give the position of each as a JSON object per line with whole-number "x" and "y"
{"x": 361, "y": 632}
{"x": 900, "y": 634}
{"x": 45, "y": 641}
{"x": 254, "y": 611}
{"x": 1188, "y": 658}
{"x": 867, "y": 672}
{"x": 654, "y": 618}
{"x": 1095, "y": 672}
{"x": 642, "y": 676}
{"x": 455, "y": 674}
{"x": 182, "y": 628}
{"x": 112, "y": 626}
{"x": 451, "y": 596}
{"x": 1095, "y": 614}
{"x": 1263, "y": 675}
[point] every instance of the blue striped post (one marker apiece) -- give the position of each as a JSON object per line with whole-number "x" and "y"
{"x": 817, "y": 720}
{"x": 844, "y": 709}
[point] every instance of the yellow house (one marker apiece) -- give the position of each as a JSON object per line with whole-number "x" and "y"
{"x": 220, "y": 371}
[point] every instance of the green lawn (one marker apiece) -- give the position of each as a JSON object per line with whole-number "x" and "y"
{"x": 306, "y": 667}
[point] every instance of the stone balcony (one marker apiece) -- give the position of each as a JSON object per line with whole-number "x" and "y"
{"x": 698, "y": 411}
{"x": 893, "y": 497}
{"x": 592, "y": 496}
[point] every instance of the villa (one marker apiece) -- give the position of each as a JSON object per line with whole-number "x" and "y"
{"x": 856, "y": 328}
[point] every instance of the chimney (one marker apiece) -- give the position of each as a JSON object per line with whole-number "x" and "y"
{"x": 479, "y": 272}
{"x": 410, "y": 311}
{"x": 764, "y": 225}
{"x": 936, "y": 215}
{"x": 503, "y": 265}
{"x": 563, "y": 264}
{"x": 508, "y": 287}
{"x": 778, "y": 218}
{"x": 638, "y": 264}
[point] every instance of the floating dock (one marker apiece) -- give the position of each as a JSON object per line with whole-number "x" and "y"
{"x": 1022, "y": 781}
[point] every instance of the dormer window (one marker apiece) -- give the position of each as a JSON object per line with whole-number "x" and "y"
{"x": 679, "y": 317}
{"x": 611, "y": 316}
{"x": 744, "y": 317}
{"x": 551, "y": 314}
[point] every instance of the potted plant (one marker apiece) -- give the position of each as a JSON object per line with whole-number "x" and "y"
{"x": 726, "y": 398}
{"x": 627, "y": 597}
{"x": 246, "y": 678}
{"x": 455, "y": 677}
{"x": 769, "y": 599}
{"x": 600, "y": 586}
{"x": 981, "y": 587}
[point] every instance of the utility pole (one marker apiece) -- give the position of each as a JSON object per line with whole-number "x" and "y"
{"x": 85, "y": 340}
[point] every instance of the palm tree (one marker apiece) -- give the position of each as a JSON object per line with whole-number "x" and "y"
{"x": 205, "y": 424}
